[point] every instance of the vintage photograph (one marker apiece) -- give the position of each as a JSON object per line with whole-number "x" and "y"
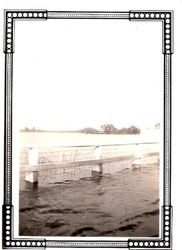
{"x": 90, "y": 130}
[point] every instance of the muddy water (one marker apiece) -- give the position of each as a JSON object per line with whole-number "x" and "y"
{"x": 124, "y": 203}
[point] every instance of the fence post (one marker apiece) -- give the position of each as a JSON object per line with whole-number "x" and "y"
{"x": 98, "y": 172}
{"x": 138, "y": 155}
{"x": 98, "y": 151}
{"x": 32, "y": 177}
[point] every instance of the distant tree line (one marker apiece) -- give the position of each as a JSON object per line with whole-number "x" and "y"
{"x": 104, "y": 129}
{"x": 111, "y": 129}
{"x": 89, "y": 131}
{"x": 33, "y": 129}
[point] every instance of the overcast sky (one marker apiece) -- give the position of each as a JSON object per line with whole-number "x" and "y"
{"x": 71, "y": 74}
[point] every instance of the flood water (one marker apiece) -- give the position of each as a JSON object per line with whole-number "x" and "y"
{"x": 124, "y": 203}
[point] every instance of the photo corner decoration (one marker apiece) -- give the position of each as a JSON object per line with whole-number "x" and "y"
{"x": 165, "y": 240}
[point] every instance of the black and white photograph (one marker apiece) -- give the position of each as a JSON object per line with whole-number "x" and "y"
{"x": 87, "y": 127}
{"x": 90, "y": 151}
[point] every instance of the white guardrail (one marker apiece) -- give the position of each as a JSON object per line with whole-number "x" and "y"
{"x": 56, "y": 161}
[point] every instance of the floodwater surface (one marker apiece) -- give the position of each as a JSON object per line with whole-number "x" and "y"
{"x": 124, "y": 203}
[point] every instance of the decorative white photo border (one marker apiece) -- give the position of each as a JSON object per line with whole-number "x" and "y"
{"x": 10, "y": 18}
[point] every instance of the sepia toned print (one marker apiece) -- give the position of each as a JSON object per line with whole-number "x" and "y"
{"x": 93, "y": 161}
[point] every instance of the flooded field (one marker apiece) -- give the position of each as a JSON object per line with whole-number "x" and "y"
{"x": 120, "y": 203}
{"x": 70, "y": 200}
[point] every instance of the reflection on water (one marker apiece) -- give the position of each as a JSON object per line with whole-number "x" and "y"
{"x": 125, "y": 203}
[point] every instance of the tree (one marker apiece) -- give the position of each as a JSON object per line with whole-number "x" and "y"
{"x": 26, "y": 129}
{"x": 108, "y": 129}
{"x": 133, "y": 130}
{"x": 157, "y": 125}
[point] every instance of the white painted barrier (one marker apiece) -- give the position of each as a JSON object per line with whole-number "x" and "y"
{"x": 138, "y": 156}
{"x": 32, "y": 177}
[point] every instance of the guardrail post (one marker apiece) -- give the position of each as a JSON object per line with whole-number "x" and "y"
{"x": 98, "y": 151}
{"x": 101, "y": 168}
{"x": 138, "y": 156}
{"x": 98, "y": 172}
{"x": 31, "y": 178}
